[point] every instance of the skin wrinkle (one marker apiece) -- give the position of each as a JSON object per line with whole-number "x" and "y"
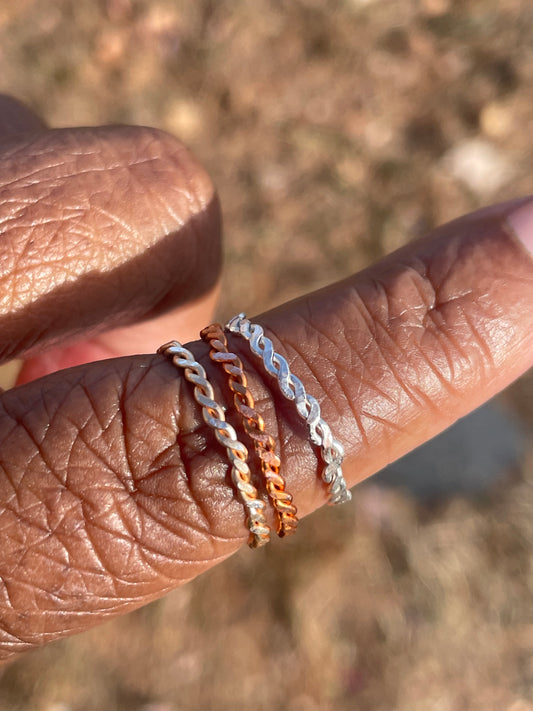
{"x": 135, "y": 550}
{"x": 393, "y": 367}
{"x": 12, "y": 148}
{"x": 430, "y": 306}
{"x": 447, "y": 348}
{"x": 125, "y": 556}
{"x": 129, "y": 475}
{"x": 427, "y": 292}
{"x": 444, "y": 380}
{"x": 63, "y": 531}
{"x": 154, "y": 564}
{"x": 156, "y": 217}
{"x": 104, "y": 424}
{"x": 115, "y": 220}
{"x": 325, "y": 346}
{"x": 108, "y": 578}
{"x": 185, "y": 528}
{"x": 189, "y": 195}
{"x": 34, "y": 516}
{"x": 385, "y": 422}
{"x": 14, "y": 495}
{"x": 320, "y": 380}
{"x": 152, "y": 428}
{"x": 7, "y": 601}
{"x": 30, "y": 597}
{"x": 87, "y": 445}
{"x": 317, "y": 336}
{"x": 156, "y": 199}
{"x": 106, "y": 466}
{"x": 361, "y": 430}
{"x": 360, "y": 308}
{"x": 484, "y": 349}
{"x": 193, "y": 194}
{"x": 202, "y": 505}
{"x": 182, "y": 529}
{"x": 444, "y": 335}
{"x": 137, "y": 557}
{"x": 38, "y": 551}
{"x": 36, "y": 441}
{"x": 192, "y": 534}
{"x": 151, "y": 500}
{"x": 26, "y": 525}
{"x": 402, "y": 387}
{"x": 35, "y": 592}
{"x": 25, "y": 180}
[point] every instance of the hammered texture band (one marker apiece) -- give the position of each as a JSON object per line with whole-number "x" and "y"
{"x": 307, "y": 406}
{"x": 237, "y": 453}
{"x": 254, "y": 427}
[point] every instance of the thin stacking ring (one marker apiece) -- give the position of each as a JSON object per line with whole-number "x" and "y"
{"x": 254, "y": 426}
{"x": 307, "y": 406}
{"x": 214, "y": 416}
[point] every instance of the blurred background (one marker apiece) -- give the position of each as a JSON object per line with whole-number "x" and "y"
{"x": 335, "y": 132}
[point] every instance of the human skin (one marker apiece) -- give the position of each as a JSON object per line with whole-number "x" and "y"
{"x": 112, "y": 489}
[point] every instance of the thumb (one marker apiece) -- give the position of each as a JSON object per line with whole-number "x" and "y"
{"x": 101, "y": 228}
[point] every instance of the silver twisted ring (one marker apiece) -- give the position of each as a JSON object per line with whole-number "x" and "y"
{"x": 307, "y": 406}
{"x": 213, "y": 415}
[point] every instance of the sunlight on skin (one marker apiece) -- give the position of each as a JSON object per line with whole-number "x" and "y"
{"x": 113, "y": 492}
{"x": 146, "y": 337}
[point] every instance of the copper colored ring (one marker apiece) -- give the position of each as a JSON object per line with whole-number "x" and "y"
{"x": 254, "y": 426}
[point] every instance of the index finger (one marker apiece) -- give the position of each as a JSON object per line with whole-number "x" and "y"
{"x": 114, "y": 490}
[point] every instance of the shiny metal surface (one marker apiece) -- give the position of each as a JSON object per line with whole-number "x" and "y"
{"x": 255, "y": 427}
{"x": 307, "y": 406}
{"x": 213, "y": 415}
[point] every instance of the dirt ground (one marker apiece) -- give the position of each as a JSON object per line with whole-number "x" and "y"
{"x": 335, "y": 132}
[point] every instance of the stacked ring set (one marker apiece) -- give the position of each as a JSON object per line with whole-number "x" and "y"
{"x": 253, "y": 424}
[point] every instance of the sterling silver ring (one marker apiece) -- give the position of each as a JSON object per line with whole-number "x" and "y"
{"x": 213, "y": 415}
{"x": 307, "y": 406}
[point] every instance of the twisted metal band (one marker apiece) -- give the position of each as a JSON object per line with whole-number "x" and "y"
{"x": 214, "y": 416}
{"x": 254, "y": 426}
{"x": 307, "y": 406}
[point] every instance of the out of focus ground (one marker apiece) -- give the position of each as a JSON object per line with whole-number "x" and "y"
{"x": 335, "y": 132}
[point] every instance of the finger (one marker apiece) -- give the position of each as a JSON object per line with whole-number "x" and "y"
{"x": 16, "y": 118}
{"x": 100, "y": 228}
{"x": 114, "y": 491}
{"x": 144, "y": 337}
{"x": 399, "y": 352}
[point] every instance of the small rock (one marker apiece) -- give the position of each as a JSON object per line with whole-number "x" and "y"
{"x": 479, "y": 165}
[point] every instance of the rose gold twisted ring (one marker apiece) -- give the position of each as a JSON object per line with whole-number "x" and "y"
{"x": 254, "y": 426}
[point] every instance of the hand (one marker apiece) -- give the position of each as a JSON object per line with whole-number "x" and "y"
{"x": 112, "y": 490}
